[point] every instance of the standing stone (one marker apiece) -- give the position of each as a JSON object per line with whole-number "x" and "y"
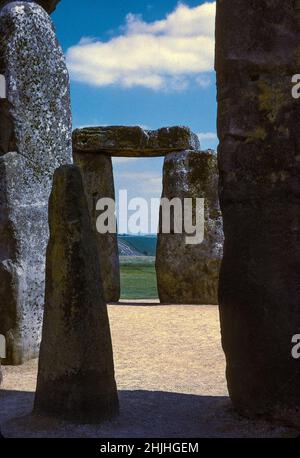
{"x": 35, "y": 138}
{"x": 189, "y": 274}
{"x": 76, "y": 371}
{"x": 98, "y": 180}
{"x": 257, "y": 53}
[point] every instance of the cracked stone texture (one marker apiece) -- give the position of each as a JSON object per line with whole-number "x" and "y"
{"x": 189, "y": 274}
{"x": 35, "y": 138}
{"x": 134, "y": 141}
{"x": 48, "y": 5}
{"x": 257, "y": 52}
{"x": 98, "y": 180}
{"x": 76, "y": 371}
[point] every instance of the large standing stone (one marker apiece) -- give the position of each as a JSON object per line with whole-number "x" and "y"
{"x": 76, "y": 372}
{"x": 98, "y": 180}
{"x": 258, "y": 51}
{"x": 35, "y": 138}
{"x": 186, "y": 273}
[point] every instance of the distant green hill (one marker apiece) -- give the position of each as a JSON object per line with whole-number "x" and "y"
{"x": 137, "y": 245}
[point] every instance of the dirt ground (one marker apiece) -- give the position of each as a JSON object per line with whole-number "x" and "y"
{"x": 170, "y": 373}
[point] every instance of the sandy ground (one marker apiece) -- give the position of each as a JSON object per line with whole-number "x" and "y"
{"x": 170, "y": 373}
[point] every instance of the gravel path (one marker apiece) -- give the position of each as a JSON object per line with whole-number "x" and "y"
{"x": 170, "y": 373}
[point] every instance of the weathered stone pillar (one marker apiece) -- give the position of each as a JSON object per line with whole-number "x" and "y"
{"x": 257, "y": 52}
{"x": 76, "y": 371}
{"x": 98, "y": 180}
{"x": 189, "y": 273}
{"x": 35, "y": 138}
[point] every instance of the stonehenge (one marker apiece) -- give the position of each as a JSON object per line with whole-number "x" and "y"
{"x": 35, "y": 139}
{"x": 185, "y": 273}
{"x": 257, "y": 54}
{"x": 76, "y": 371}
{"x": 252, "y": 190}
{"x": 189, "y": 273}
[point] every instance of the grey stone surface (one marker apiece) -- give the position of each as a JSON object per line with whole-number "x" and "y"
{"x": 48, "y": 5}
{"x": 257, "y": 53}
{"x": 134, "y": 141}
{"x": 189, "y": 274}
{"x": 98, "y": 180}
{"x": 76, "y": 372}
{"x": 34, "y": 140}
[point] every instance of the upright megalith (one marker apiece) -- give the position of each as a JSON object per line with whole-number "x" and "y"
{"x": 35, "y": 138}
{"x": 98, "y": 180}
{"x": 76, "y": 371}
{"x": 187, "y": 265}
{"x": 257, "y": 53}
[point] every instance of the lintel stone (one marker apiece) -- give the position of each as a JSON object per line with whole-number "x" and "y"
{"x": 123, "y": 141}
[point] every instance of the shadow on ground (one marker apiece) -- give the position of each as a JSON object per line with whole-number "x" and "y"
{"x": 143, "y": 414}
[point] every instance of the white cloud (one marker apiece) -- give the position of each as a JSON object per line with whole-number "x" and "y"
{"x": 140, "y": 182}
{"x": 165, "y": 54}
{"x": 203, "y": 81}
{"x": 122, "y": 160}
{"x": 208, "y": 140}
{"x": 207, "y": 136}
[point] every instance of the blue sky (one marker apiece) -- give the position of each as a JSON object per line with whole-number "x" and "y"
{"x": 140, "y": 62}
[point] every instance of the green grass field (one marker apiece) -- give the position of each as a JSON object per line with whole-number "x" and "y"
{"x": 138, "y": 278}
